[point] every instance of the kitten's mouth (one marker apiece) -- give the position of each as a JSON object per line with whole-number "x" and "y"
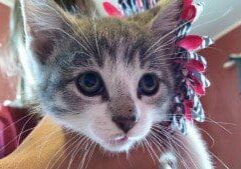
{"x": 120, "y": 140}
{"x": 118, "y": 144}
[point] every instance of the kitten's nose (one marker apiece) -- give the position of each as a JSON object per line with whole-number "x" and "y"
{"x": 125, "y": 123}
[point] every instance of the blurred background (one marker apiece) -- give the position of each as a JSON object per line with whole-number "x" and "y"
{"x": 222, "y": 130}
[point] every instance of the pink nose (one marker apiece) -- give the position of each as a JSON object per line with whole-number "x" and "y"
{"x": 125, "y": 123}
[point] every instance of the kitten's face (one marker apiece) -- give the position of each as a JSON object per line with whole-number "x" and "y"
{"x": 107, "y": 80}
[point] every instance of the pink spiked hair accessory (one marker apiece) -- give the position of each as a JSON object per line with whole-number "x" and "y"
{"x": 190, "y": 68}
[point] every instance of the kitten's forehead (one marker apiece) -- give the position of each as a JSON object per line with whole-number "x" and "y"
{"x": 114, "y": 28}
{"x": 114, "y": 40}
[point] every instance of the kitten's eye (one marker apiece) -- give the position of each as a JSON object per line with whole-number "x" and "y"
{"x": 148, "y": 85}
{"x": 90, "y": 84}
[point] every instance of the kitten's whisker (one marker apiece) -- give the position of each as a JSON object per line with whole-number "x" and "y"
{"x": 153, "y": 151}
{"x": 23, "y": 128}
{"x": 183, "y": 147}
{"x": 159, "y": 48}
{"x": 156, "y": 139}
{"x": 209, "y": 135}
{"x": 155, "y": 146}
{"x": 218, "y": 50}
{"x": 96, "y": 39}
{"x": 16, "y": 122}
{"x": 77, "y": 149}
{"x": 173, "y": 149}
{"x": 85, "y": 38}
{"x": 222, "y": 127}
{"x": 214, "y": 20}
{"x": 74, "y": 152}
{"x": 220, "y": 122}
{"x": 65, "y": 148}
{"x": 142, "y": 146}
{"x": 221, "y": 161}
{"x": 148, "y": 150}
{"x": 34, "y": 144}
{"x": 87, "y": 145}
{"x": 171, "y": 138}
{"x": 166, "y": 35}
{"x": 165, "y": 59}
{"x": 70, "y": 36}
{"x": 15, "y": 138}
{"x": 46, "y": 139}
{"x": 94, "y": 145}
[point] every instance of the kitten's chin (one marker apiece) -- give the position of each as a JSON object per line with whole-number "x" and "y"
{"x": 123, "y": 145}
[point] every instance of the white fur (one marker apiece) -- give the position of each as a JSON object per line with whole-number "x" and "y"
{"x": 191, "y": 152}
{"x": 168, "y": 160}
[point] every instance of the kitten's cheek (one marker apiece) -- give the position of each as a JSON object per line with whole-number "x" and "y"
{"x": 102, "y": 127}
{"x": 142, "y": 128}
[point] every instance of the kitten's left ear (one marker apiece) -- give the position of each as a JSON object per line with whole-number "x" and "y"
{"x": 167, "y": 19}
{"x": 162, "y": 19}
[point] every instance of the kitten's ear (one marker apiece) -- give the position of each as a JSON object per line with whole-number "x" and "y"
{"x": 42, "y": 19}
{"x": 163, "y": 18}
{"x": 168, "y": 18}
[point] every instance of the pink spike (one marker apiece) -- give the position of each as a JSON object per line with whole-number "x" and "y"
{"x": 190, "y": 42}
{"x": 111, "y": 10}
{"x": 189, "y": 13}
{"x": 188, "y": 106}
{"x": 195, "y": 65}
{"x": 187, "y": 3}
{"x": 197, "y": 86}
{"x": 199, "y": 89}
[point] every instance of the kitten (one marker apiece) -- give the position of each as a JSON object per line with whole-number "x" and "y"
{"x": 110, "y": 79}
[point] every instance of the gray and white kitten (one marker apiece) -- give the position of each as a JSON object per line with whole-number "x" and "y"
{"x": 110, "y": 79}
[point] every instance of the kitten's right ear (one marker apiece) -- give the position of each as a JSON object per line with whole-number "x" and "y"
{"x": 42, "y": 19}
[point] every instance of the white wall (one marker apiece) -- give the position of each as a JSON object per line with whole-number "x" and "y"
{"x": 7, "y": 2}
{"x": 218, "y": 17}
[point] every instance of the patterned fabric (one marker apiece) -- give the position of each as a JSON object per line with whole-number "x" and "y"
{"x": 127, "y": 7}
{"x": 189, "y": 66}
